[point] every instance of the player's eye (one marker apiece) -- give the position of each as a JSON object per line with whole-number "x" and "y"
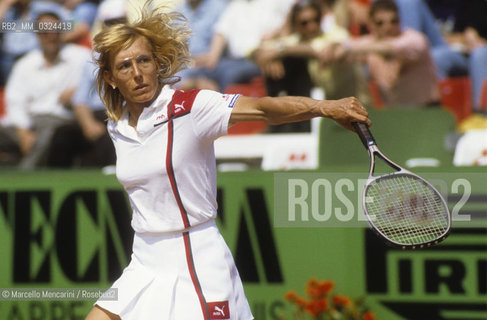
{"x": 144, "y": 60}
{"x": 125, "y": 65}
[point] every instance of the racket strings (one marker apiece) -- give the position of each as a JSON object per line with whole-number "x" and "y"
{"x": 406, "y": 210}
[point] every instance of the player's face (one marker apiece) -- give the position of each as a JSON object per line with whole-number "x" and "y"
{"x": 134, "y": 72}
{"x": 385, "y": 24}
{"x": 308, "y": 23}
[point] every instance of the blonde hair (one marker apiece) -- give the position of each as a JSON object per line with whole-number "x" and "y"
{"x": 167, "y": 33}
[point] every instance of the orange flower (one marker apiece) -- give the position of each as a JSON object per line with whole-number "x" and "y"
{"x": 313, "y": 289}
{"x": 300, "y": 302}
{"x": 341, "y": 300}
{"x": 313, "y": 292}
{"x": 291, "y": 296}
{"x": 369, "y": 315}
{"x": 316, "y": 307}
{"x": 312, "y": 283}
{"x": 326, "y": 287}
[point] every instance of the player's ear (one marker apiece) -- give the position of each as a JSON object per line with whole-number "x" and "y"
{"x": 108, "y": 77}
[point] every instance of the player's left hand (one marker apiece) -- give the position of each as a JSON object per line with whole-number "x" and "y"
{"x": 345, "y": 111}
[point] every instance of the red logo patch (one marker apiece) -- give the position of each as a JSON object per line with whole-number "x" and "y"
{"x": 219, "y": 310}
{"x": 182, "y": 102}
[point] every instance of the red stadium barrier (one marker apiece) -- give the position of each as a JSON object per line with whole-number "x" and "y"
{"x": 483, "y": 97}
{"x": 375, "y": 95}
{"x": 456, "y": 96}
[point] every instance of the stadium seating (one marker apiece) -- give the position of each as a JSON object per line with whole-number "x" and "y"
{"x": 483, "y": 98}
{"x": 375, "y": 95}
{"x": 456, "y": 96}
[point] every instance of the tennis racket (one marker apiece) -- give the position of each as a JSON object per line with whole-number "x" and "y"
{"x": 403, "y": 208}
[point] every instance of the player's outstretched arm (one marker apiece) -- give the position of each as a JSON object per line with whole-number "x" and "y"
{"x": 279, "y": 110}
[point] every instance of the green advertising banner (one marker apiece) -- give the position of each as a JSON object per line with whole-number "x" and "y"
{"x": 65, "y": 236}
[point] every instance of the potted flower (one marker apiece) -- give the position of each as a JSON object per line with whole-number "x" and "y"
{"x": 321, "y": 303}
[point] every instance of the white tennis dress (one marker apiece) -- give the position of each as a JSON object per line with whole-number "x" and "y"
{"x": 181, "y": 268}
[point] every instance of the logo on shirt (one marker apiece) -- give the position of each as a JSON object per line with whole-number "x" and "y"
{"x": 219, "y": 310}
{"x": 181, "y": 103}
{"x": 160, "y": 120}
{"x": 179, "y": 107}
{"x": 233, "y": 100}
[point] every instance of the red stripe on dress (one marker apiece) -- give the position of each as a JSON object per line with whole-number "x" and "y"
{"x": 194, "y": 277}
{"x": 171, "y": 175}
{"x": 184, "y": 214}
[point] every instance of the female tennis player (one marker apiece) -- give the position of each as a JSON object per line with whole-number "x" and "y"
{"x": 180, "y": 267}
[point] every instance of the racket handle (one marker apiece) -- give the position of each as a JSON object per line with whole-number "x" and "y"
{"x": 364, "y": 134}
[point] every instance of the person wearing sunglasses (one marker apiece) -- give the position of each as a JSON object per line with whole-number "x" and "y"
{"x": 290, "y": 62}
{"x": 398, "y": 60}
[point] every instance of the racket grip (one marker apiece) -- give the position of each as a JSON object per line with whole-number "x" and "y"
{"x": 364, "y": 134}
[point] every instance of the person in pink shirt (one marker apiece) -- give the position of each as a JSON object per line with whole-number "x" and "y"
{"x": 399, "y": 61}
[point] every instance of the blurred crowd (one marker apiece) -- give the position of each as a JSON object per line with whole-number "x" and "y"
{"x": 388, "y": 53}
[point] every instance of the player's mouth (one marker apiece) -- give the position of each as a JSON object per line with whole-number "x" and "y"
{"x": 141, "y": 87}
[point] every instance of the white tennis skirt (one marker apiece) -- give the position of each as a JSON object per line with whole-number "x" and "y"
{"x": 179, "y": 276}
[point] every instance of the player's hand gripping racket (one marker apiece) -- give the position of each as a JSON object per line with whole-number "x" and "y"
{"x": 401, "y": 207}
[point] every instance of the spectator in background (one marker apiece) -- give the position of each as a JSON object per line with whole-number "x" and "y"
{"x": 356, "y": 17}
{"x": 452, "y": 57}
{"x": 414, "y": 14}
{"x": 237, "y": 33}
{"x": 83, "y": 14}
{"x": 291, "y": 64}
{"x": 38, "y": 93}
{"x": 284, "y": 60}
{"x": 202, "y": 16}
{"x": 399, "y": 61}
{"x": 334, "y": 13}
{"x": 14, "y": 45}
{"x": 86, "y": 143}
{"x": 417, "y": 15}
{"x": 464, "y": 25}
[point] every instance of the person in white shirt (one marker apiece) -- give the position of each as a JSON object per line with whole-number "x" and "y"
{"x": 237, "y": 32}
{"x": 181, "y": 267}
{"x": 38, "y": 92}
{"x": 85, "y": 143}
